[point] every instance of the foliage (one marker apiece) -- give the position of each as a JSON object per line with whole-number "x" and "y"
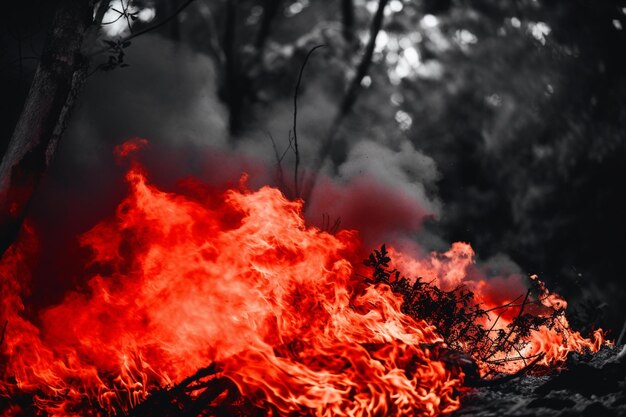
{"x": 116, "y": 55}
{"x": 464, "y": 324}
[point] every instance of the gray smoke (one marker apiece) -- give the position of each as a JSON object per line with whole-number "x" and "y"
{"x": 168, "y": 95}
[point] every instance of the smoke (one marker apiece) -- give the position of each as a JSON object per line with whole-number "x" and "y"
{"x": 379, "y": 191}
{"x": 168, "y": 95}
{"x": 382, "y": 186}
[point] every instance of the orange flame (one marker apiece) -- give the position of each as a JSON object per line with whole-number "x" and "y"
{"x": 550, "y": 345}
{"x": 177, "y": 282}
{"x": 181, "y": 283}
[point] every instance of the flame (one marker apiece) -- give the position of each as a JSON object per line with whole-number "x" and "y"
{"x": 177, "y": 281}
{"x": 550, "y": 345}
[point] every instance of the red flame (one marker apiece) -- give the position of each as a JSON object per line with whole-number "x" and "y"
{"x": 178, "y": 281}
{"x": 453, "y": 269}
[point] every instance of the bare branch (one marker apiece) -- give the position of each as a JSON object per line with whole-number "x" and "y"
{"x": 295, "y": 120}
{"x": 279, "y": 160}
{"x": 149, "y": 28}
{"x": 162, "y": 22}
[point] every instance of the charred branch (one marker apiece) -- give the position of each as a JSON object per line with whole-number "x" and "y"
{"x": 206, "y": 393}
{"x": 475, "y": 383}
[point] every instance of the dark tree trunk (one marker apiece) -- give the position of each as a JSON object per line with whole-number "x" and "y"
{"x": 347, "y": 20}
{"x": 59, "y": 76}
{"x": 350, "y": 97}
{"x": 270, "y": 10}
{"x": 366, "y": 61}
{"x": 234, "y": 96}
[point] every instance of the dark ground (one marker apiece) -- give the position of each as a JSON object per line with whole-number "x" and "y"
{"x": 591, "y": 386}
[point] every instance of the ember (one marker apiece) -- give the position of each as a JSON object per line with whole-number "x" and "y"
{"x": 278, "y": 310}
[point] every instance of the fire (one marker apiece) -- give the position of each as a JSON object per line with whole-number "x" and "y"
{"x": 178, "y": 281}
{"x": 550, "y": 345}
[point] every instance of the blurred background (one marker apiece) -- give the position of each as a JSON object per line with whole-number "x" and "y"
{"x": 503, "y": 121}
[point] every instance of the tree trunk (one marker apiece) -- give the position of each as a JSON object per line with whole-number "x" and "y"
{"x": 349, "y": 99}
{"x": 347, "y": 20}
{"x": 270, "y": 10}
{"x": 59, "y": 77}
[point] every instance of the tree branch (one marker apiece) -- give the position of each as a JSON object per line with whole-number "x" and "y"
{"x": 350, "y": 96}
{"x": 295, "y": 120}
{"x": 497, "y": 381}
{"x": 163, "y": 22}
{"x": 364, "y": 65}
{"x": 148, "y": 29}
{"x": 347, "y": 20}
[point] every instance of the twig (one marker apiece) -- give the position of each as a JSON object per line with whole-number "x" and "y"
{"x": 113, "y": 21}
{"x": 162, "y": 22}
{"x": 490, "y": 353}
{"x": 295, "y": 120}
{"x": 497, "y": 381}
{"x": 279, "y": 160}
{"x": 520, "y": 354}
{"x": 150, "y": 28}
{"x": 509, "y": 304}
{"x": 514, "y": 359}
{"x": 491, "y": 341}
{"x": 125, "y": 14}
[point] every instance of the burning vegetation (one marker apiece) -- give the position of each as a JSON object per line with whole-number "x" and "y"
{"x": 199, "y": 302}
